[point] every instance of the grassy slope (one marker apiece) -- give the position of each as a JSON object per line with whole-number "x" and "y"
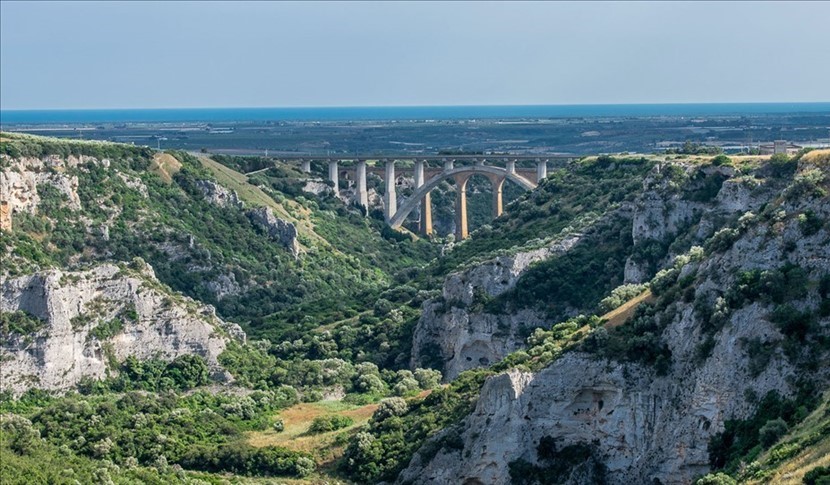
{"x": 325, "y": 446}
{"x": 621, "y": 314}
{"x": 810, "y": 445}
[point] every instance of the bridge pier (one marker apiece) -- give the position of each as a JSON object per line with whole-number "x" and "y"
{"x": 498, "y": 206}
{"x": 425, "y": 222}
{"x": 511, "y": 166}
{"x": 360, "y": 179}
{"x": 541, "y": 170}
{"x": 448, "y": 164}
{"x": 306, "y": 166}
{"x": 391, "y": 197}
{"x": 461, "y": 231}
{"x": 334, "y": 176}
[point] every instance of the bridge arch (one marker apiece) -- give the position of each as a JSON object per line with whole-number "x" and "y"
{"x": 461, "y": 175}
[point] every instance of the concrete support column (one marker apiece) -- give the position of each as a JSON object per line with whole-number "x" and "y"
{"x": 334, "y": 176}
{"x": 425, "y": 223}
{"x": 360, "y": 177}
{"x": 391, "y": 197}
{"x": 426, "y": 215}
{"x": 448, "y": 164}
{"x": 498, "y": 206}
{"x": 511, "y": 166}
{"x": 461, "y": 232}
{"x": 306, "y": 166}
{"x": 541, "y": 170}
{"x": 418, "y": 174}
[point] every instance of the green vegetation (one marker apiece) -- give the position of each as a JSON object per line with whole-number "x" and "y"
{"x": 342, "y": 316}
{"x": 691, "y": 148}
{"x": 555, "y": 465}
{"x": 397, "y": 430}
{"x": 19, "y": 323}
{"x": 199, "y": 431}
{"x": 331, "y": 422}
{"x": 744, "y": 440}
{"x": 568, "y": 199}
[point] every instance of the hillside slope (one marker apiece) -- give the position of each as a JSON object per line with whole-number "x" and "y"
{"x": 734, "y": 340}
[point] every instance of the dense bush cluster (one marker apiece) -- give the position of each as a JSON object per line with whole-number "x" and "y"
{"x": 199, "y": 431}
{"x": 579, "y": 278}
{"x": 19, "y": 323}
{"x": 743, "y": 440}
{"x": 254, "y": 366}
{"x": 397, "y": 430}
{"x": 330, "y": 422}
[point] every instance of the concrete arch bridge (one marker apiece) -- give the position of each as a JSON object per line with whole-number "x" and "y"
{"x": 426, "y": 179}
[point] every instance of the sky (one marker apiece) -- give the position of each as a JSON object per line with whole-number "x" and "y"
{"x": 101, "y": 55}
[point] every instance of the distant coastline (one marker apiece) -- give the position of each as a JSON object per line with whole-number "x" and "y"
{"x": 13, "y": 117}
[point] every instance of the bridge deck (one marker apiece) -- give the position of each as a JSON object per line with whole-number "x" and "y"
{"x": 491, "y": 158}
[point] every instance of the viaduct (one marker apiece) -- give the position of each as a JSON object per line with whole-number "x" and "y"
{"x": 427, "y": 179}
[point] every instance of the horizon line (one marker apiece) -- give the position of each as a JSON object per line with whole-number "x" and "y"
{"x": 393, "y": 106}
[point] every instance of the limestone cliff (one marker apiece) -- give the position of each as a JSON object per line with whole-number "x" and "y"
{"x": 20, "y": 181}
{"x": 141, "y": 317}
{"x": 278, "y": 229}
{"x": 460, "y": 335}
{"x": 219, "y": 195}
{"x": 644, "y": 425}
{"x": 684, "y": 199}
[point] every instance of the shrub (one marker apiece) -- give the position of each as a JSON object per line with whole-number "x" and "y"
{"x": 772, "y": 431}
{"x": 405, "y": 386}
{"x": 620, "y": 295}
{"x": 716, "y": 479}
{"x": 428, "y": 378}
{"x": 331, "y": 422}
{"x": 810, "y": 223}
{"x": 390, "y": 407}
{"x": 279, "y": 425}
{"x": 721, "y": 160}
{"x": 819, "y": 475}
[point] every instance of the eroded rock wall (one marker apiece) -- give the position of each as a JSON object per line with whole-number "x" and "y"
{"x": 645, "y": 427}
{"x": 451, "y": 330}
{"x": 156, "y": 324}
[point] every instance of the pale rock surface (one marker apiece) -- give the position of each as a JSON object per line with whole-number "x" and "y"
{"x": 224, "y": 285}
{"x": 278, "y": 229}
{"x": 644, "y": 427}
{"x": 72, "y": 304}
{"x": 218, "y": 195}
{"x": 316, "y": 187}
{"x": 466, "y": 339}
{"x": 661, "y": 212}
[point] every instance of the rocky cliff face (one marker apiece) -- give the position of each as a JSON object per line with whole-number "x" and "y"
{"x": 280, "y": 230}
{"x": 684, "y": 198}
{"x": 219, "y": 195}
{"x": 20, "y": 181}
{"x": 644, "y": 427}
{"x": 75, "y": 307}
{"x": 462, "y": 337}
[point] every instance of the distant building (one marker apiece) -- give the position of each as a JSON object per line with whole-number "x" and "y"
{"x": 779, "y": 146}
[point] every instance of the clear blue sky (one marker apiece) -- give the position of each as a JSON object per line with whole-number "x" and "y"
{"x": 211, "y": 54}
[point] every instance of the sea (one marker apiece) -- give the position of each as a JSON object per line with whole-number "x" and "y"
{"x": 403, "y": 113}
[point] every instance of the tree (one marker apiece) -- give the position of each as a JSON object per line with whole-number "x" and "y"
{"x": 772, "y": 431}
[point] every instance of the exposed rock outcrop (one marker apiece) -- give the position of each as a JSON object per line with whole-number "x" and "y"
{"x": 278, "y": 229}
{"x": 316, "y": 187}
{"x": 224, "y": 285}
{"x": 452, "y": 331}
{"x": 642, "y": 426}
{"x": 219, "y": 195}
{"x": 19, "y": 183}
{"x": 667, "y": 207}
{"x": 154, "y": 324}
